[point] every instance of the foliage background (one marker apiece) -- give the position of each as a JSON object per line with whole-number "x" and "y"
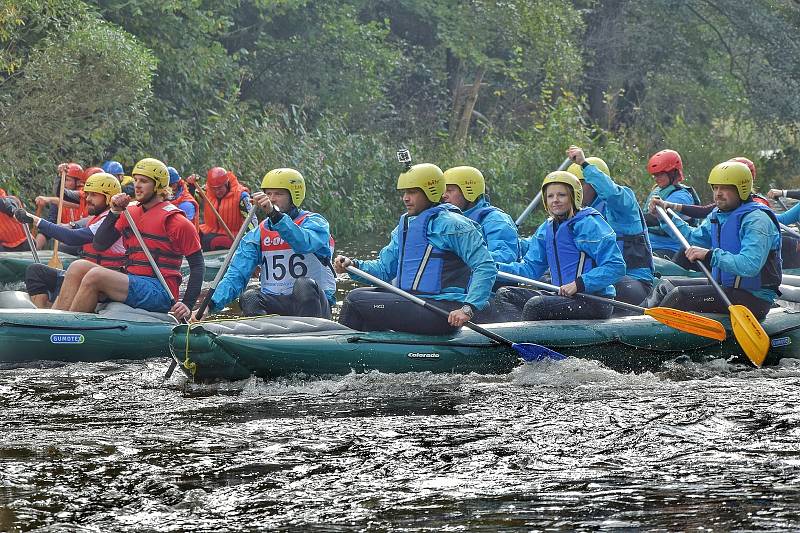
{"x": 333, "y": 88}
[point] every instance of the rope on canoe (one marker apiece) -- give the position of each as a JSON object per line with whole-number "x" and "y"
{"x": 67, "y": 328}
{"x": 492, "y": 344}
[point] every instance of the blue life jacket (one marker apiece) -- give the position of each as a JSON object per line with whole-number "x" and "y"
{"x": 478, "y": 215}
{"x": 664, "y": 194}
{"x": 566, "y": 262}
{"x": 423, "y": 268}
{"x": 726, "y": 237}
{"x": 636, "y": 249}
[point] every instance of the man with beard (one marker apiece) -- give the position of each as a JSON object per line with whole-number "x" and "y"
{"x": 42, "y": 282}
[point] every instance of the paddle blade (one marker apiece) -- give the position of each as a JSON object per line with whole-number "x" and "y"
{"x": 534, "y": 352}
{"x": 688, "y": 322}
{"x": 55, "y": 261}
{"x": 751, "y": 336}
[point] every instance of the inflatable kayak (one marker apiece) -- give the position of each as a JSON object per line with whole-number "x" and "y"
{"x": 116, "y": 332}
{"x": 13, "y": 264}
{"x": 270, "y": 347}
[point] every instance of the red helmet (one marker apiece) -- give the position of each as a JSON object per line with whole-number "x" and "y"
{"x": 217, "y": 177}
{"x": 74, "y": 170}
{"x": 666, "y": 161}
{"x": 749, "y": 164}
{"x": 89, "y": 171}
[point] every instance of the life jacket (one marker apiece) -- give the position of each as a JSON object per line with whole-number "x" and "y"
{"x": 227, "y": 207}
{"x": 184, "y": 196}
{"x": 726, "y": 237}
{"x": 73, "y": 214}
{"x": 635, "y": 248}
{"x": 106, "y": 258}
{"x": 566, "y": 262}
{"x": 281, "y": 265}
{"x": 664, "y": 194}
{"x": 11, "y": 232}
{"x": 152, "y": 225}
{"x": 760, "y": 199}
{"x": 423, "y": 268}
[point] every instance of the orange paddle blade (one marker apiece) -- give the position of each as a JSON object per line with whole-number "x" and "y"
{"x": 751, "y": 336}
{"x": 55, "y": 260}
{"x": 688, "y": 322}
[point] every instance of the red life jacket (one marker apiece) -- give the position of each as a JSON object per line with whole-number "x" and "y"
{"x": 11, "y": 232}
{"x": 186, "y": 197}
{"x": 227, "y": 207}
{"x": 73, "y": 214}
{"x": 152, "y": 225}
{"x": 106, "y": 258}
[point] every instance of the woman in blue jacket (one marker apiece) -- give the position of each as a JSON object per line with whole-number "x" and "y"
{"x": 579, "y": 248}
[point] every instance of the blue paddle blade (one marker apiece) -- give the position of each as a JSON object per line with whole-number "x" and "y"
{"x": 534, "y": 352}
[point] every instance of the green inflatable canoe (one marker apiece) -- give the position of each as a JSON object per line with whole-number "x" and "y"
{"x": 270, "y": 347}
{"x": 13, "y": 264}
{"x": 117, "y": 332}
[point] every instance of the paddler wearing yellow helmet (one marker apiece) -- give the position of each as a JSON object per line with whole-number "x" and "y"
{"x": 579, "y": 248}
{"x": 465, "y": 188}
{"x": 42, "y": 282}
{"x": 618, "y": 205}
{"x": 166, "y": 233}
{"x": 435, "y": 253}
{"x": 293, "y": 248}
{"x": 740, "y": 240}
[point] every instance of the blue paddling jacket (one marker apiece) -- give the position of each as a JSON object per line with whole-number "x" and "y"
{"x": 619, "y": 207}
{"x": 675, "y": 193}
{"x": 438, "y": 254}
{"x": 499, "y": 230}
{"x": 745, "y": 245}
{"x": 582, "y": 248}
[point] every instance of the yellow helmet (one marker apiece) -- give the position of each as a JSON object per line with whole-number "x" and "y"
{"x": 567, "y": 178}
{"x": 286, "y": 178}
{"x": 469, "y": 180}
{"x": 576, "y": 170}
{"x": 103, "y": 183}
{"x": 153, "y": 169}
{"x": 733, "y": 173}
{"x": 425, "y": 176}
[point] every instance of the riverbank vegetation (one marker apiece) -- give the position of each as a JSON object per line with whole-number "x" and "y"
{"x": 333, "y": 88}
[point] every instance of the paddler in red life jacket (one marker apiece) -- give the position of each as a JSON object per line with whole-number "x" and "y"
{"x": 167, "y": 233}
{"x": 12, "y": 236}
{"x": 436, "y": 253}
{"x": 230, "y": 199}
{"x": 73, "y": 210}
{"x": 42, "y": 282}
{"x": 292, "y": 246}
{"x": 182, "y": 198}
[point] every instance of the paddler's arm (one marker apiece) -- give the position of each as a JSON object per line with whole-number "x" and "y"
{"x": 385, "y": 267}
{"x": 502, "y": 238}
{"x": 244, "y": 204}
{"x": 466, "y": 241}
{"x": 534, "y": 262}
{"x": 197, "y": 268}
{"x": 244, "y": 262}
{"x": 596, "y": 238}
{"x": 63, "y": 234}
{"x": 697, "y": 236}
{"x": 791, "y": 216}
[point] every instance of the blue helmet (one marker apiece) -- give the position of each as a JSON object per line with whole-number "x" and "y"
{"x": 174, "y": 177}
{"x": 113, "y": 167}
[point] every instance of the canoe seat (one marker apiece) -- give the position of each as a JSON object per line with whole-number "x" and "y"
{"x": 272, "y": 325}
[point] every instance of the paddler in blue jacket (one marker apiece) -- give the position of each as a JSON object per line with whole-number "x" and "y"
{"x": 619, "y": 207}
{"x": 293, "y": 247}
{"x": 579, "y": 248}
{"x": 741, "y": 241}
{"x": 435, "y": 253}
{"x": 465, "y": 188}
{"x": 666, "y": 167}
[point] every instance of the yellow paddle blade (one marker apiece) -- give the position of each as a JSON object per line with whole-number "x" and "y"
{"x": 688, "y": 322}
{"x": 751, "y": 336}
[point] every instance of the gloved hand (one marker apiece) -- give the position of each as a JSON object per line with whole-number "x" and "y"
{"x": 7, "y": 206}
{"x": 23, "y": 216}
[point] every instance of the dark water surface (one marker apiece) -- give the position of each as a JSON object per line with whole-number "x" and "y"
{"x": 552, "y": 446}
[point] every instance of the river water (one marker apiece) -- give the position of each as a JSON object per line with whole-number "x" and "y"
{"x": 567, "y": 445}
